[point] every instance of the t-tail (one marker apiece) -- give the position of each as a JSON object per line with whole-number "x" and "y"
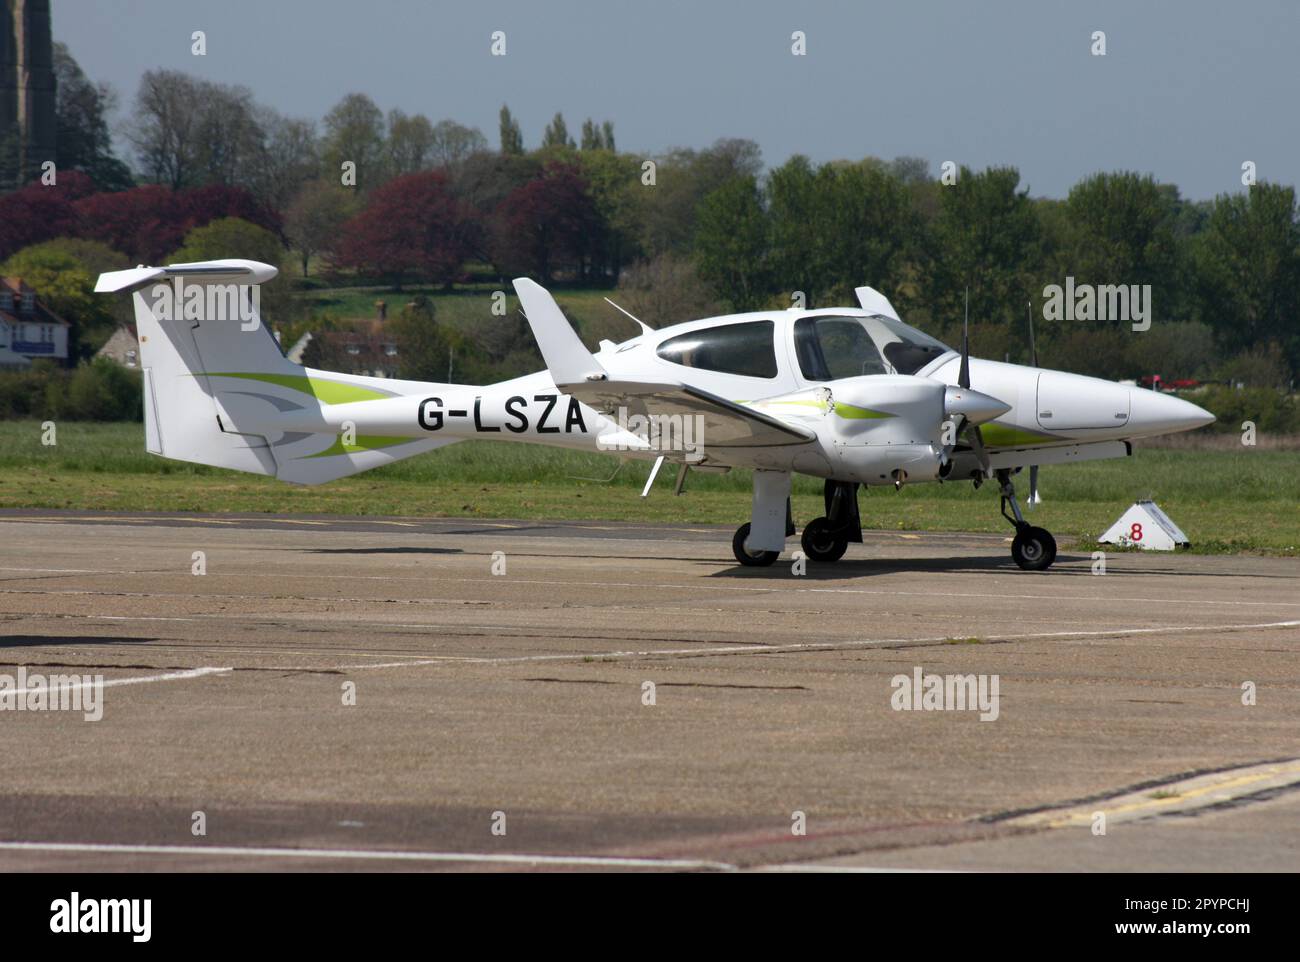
{"x": 219, "y": 391}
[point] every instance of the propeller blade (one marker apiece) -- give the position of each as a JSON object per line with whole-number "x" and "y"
{"x": 981, "y": 455}
{"x": 1033, "y": 486}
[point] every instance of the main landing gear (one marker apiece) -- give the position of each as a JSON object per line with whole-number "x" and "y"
{"x": 757, "y": 543}
{"x": 824, "y": 539}
{"x": 1034, "y": 549}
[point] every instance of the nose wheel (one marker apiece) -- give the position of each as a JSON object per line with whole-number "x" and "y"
{"x": 1033, "y": 549}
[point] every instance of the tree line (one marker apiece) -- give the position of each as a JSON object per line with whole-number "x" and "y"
{"x": 364, "y": 196}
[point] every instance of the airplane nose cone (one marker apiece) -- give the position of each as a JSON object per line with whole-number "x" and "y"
{"x": 974, "y": 406}
{"x": 1151, "y": 412}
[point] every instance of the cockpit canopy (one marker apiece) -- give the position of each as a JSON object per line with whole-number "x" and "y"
{"x": 827, "y": 347}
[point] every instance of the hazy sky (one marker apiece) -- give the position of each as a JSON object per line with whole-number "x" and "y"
{"x": 1187, "y": 90}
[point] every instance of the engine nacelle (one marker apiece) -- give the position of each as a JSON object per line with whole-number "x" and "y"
{"x": 886, "y": 428}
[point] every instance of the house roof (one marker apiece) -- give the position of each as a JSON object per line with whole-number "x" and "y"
{"x": 42, "y": 315}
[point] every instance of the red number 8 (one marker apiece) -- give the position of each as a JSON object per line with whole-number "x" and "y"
{"x": 1135, "y": 532}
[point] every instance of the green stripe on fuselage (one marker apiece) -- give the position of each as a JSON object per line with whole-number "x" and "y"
{"x": 997, "y": 435}
{"x": 854, "y": 413}
{"x": 327, "y": 392}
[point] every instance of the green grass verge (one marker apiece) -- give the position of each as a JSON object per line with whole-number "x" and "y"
{"x": 1227, "y": 501}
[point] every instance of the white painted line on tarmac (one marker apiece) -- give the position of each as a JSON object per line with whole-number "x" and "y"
{"x": 694, "y": 588}
{"x": 504, "y": 858}
{"x": 146, "y": 679}
{"x": 804, "y": 646}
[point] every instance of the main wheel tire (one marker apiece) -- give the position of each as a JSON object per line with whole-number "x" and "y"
{"x": 821, "y": 543}
{"x": 1034, "y": 549}
{"x": 750, "y": 559}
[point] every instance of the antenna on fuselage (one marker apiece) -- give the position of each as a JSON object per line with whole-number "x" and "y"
{"x": 645, "y": 328}
{"x": 1033, "y": 345}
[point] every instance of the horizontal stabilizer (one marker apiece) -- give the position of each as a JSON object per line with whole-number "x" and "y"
{"x": 224, "y": 271}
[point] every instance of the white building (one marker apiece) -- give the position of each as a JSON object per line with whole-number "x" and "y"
{"x": 28, "y": 329}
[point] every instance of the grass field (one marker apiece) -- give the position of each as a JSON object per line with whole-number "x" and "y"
{"x": 1242, "y": 500}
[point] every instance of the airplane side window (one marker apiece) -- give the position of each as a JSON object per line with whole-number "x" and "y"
{"x": 745, "y": 349}
{"x": 829, "y": 348}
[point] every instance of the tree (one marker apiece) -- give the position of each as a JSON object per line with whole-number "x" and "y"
{"x": 597, "y": 137}
{"x": 1123, "y": 231}
{"x": 202, "y": 205}
{"x": 424, "y": 347}
{"x": 683, "y": 179}
{"x": 289, "y": 156}
{"x": 548, "y": 224}
{"x": 187, "y": 131}
{"x": 165, "y": 128}
{"x": 83, "y": 141}
{"x": 149, "y": 222}
{"x": 614, "y": 183}
{"x": 316, "y": 217}
{"x": 409, "y": 146}
{"x": 731, "y": 243}
{"x": 512, "y": 140}
{"x": 36, "y": 213}
{"x": 354, "y": 132}
{"x": 666, "y": 290}
{"x": 455, "y": 143}
{"x": 557, "y": 133}
{"x": 412, "y": 227}
{"x": 987, "y": 240}
{"x": 838, "y": 226}
{"x": 1248, "y": 269}
{"x": 63, "y": 274}
{"x": 144, "y": 222}
{"x": 229, "y": 237}
{"x": 233, "y": 237}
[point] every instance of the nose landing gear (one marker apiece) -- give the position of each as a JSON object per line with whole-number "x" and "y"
{"x": 1033, "y": 549}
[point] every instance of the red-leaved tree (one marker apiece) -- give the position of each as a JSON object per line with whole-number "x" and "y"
{"x": 39, "y": 212}
{"x": 150, "y": 222}
{"x": 413, "y": 228}
{"x": 549, "y": 224}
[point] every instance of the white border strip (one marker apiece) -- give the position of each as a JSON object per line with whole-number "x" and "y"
{"x": 505, "y": 858}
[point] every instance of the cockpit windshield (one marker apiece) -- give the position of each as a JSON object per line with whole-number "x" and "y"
{"x": 834, "y": 346}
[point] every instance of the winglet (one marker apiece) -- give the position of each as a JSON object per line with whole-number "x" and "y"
{"x": 876, "y": 302}
{"x": 568, "y": 360}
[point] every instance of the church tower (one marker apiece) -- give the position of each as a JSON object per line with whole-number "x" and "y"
{"x": 27, "y": 90}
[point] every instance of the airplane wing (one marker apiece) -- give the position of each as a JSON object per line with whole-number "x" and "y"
{"x": 577, "y": 373}
{"x": 722, "y": 424}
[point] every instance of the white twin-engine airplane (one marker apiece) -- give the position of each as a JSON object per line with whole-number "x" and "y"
{"x": 851, "y": 395}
